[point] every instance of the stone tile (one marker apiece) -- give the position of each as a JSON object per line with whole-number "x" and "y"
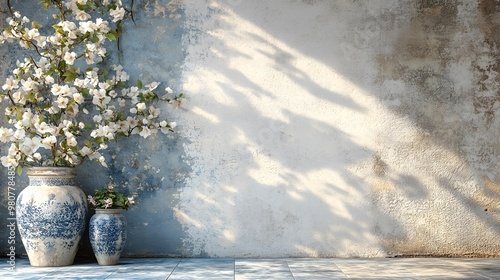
{"x": 204, "y": 269}
{"x": 489, "y": 268}
{"x": 318, "y": 276}
{"x": 24, "y": 270}
{"x": 81, "y": 272}
{"x": 315, "y": 269}
{"x": 140, "y": 261}
{"x": 262, "y": 269}
{"x": 373, "y": 269}
{"x": 22, "y": 275}
{"x": 439, "y": 268}
{"x": 144, "y": 268}
{"x": 201, "y": 274}
{"x": 140, "y": 274}
{"x": 220, "y": 269}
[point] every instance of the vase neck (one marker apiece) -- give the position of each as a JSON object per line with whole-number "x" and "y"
{"x": 52, "y": 176}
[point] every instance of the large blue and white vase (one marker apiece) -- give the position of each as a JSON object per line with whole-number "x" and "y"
{"x": 108, "y": 233}
{"x": 51, "y": 213}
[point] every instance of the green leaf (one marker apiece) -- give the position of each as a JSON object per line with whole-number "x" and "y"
{"x": 111, "y": 36}
{"x": 139, "y": 84}
{"x": 46, "y": 4}
{"x": 104, "y": 73}
{"x": 36, "y": 25}
{"x": 63, "y": 144}
{"x": 19, "y": 170}
{"x": 81, "y": 7}
{"x": 58, "y": 29}
{"x": 69, "y": 76}
{"x": 19, "y": 114}
{"x": 100, "y": 140}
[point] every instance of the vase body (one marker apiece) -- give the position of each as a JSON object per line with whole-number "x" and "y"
{"x": 51, "y": 213}
{"x": 107, "y": 232}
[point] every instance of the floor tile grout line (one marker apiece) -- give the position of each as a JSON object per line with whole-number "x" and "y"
{"x": 49, "y": 272}
{"x": 171, "y": 272}
{"x": 289, "y": 269}
{"x": 111, "y": 274}
{"x": 341, "y": 270}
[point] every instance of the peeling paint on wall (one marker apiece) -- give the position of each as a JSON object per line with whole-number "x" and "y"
{"x": 152, "y": 169}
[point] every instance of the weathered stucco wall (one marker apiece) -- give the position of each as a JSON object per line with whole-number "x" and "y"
{"x": 341, "y": 128}
{"x": 315, "y": 128}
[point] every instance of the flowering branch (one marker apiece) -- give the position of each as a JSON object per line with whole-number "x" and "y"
{"x": 60, "y": 112}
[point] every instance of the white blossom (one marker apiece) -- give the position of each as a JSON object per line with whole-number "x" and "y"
{"x": 37, "y": 156}
{"x": 81, "y": 15}
{"x": 154, "y": 112}
{"x": 78, "y": 98}
{"x": 55, "y": 40}
{"x": 141, "y": 106}
{"x": 43, "y": 128}
{"x": 145, "y": 132}
{"x": 13, "y": 156}
{"x": 71, "y": 141}
{"x": 102, "y": 131}
{"x": 97, "y": 118}
{"x": 85, "y": 151}
{"x": 62, "y": 101}
{"x": 5, "y": 134}
{"x": 131, "y": 200}
{"x": 117, "y": 14}
{"x": 123, "y": 126}
{"x": 122, "y": 76}
{"x": 152, "y": 86}
{"x": 29, "y": 84}
{"x": 88, "y": 27}
{"x": 49, "y": 79}
{"x": 10, "y": 84}
{"x": 49, "y": 141}
{"x": 30, "y": 145}
{"x": 69, "y": 57}
{"x": 18, "y": 135}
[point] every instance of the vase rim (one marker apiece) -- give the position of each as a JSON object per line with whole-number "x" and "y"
{"x": 51, "y": 171}
{"x": 108, "y": 211}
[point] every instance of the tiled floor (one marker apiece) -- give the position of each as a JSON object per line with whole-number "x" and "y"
{"x": 293, "y": 269}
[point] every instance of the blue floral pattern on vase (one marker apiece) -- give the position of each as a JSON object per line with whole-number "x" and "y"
{"x": 51, "y": 214}
{"x": 107, "y": 232}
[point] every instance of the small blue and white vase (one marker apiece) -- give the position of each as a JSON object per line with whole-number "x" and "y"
{"x": 107, "y": 232}
{"x": 51, "y": 213}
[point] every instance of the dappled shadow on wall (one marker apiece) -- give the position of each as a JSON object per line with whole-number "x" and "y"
{"x": 321, "y": 144}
